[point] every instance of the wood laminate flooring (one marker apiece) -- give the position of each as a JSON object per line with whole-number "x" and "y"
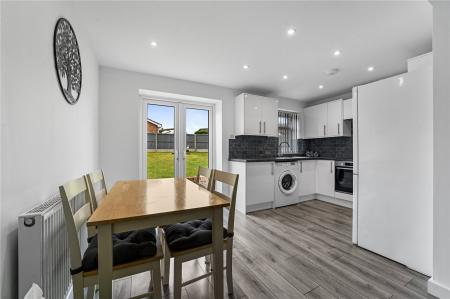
{"x": 300, "y": 251}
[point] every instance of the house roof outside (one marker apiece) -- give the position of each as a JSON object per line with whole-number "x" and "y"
{"x": 154, "y": 122}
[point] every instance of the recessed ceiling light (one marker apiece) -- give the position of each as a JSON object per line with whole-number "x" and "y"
{"x": 291, "y": 31}
{"x": 337, "y": 53}
{"x": 370, "y": 68}
{"x": 285, "y": 77}
{"x": 154, "y": 44}
{"x": 245, "y": 67}
{"x": 320, "y": 86}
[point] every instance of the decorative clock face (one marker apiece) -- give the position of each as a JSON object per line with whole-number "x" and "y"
{"x": 67, "y": 61}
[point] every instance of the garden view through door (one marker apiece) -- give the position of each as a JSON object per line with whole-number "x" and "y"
{"x": 171, "y": 153}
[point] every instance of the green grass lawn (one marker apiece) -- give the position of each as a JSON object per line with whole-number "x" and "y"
{"x": 161, "y": 164}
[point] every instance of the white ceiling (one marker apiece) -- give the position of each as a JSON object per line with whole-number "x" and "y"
{"x": 209, "y": 42}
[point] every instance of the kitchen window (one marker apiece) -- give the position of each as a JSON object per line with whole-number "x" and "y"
{"x": 288, "y": 128}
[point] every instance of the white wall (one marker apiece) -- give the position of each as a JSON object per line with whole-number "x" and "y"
{"x": 1, "y": 126}
{"x": 439, "y": 284}
{"x": 45, "y": 141}
{"x": 120, "y": 106}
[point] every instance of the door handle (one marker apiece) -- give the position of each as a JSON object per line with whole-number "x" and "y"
{"x": 264, "y": 127}
{"x": 259, "y": 127}
{"x": 331, "y": 166}
{"x": 339, "y": 128}
{"x": 324, "y": 130}
{"x": 301, "y": 167}
{"x": 272, "y": 166}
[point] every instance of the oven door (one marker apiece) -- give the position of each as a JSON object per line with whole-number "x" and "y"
{"x": 343, "y": 180}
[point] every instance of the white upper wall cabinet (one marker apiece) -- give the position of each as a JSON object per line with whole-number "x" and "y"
{"x": 325, "y": 120}
{"x": 256, "y": 115}
{"x": 348, "y": 109}
{"x": 335, "y": 118}
{"x": 315, "y": 121}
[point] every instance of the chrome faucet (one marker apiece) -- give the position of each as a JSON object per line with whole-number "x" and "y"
{"x": 287, "y": 143}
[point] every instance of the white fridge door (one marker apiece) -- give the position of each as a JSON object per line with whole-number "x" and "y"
{"x": 395, "y": 173}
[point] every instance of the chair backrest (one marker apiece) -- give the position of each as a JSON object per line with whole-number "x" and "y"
{"x": 231, "y": 180}
{"x": 207, "y": 173}
{"x": 96, "y": 193}
{"x": 75, "y": 219}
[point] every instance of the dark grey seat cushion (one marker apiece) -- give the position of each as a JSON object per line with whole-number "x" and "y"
{"x": 189, "y": 234}
{"x": 127, "y": 247}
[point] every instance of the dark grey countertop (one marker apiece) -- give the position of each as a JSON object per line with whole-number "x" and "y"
{"x": 287, "y": 159}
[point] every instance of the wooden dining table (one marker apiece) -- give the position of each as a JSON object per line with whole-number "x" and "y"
{"x": 139, "y": 204}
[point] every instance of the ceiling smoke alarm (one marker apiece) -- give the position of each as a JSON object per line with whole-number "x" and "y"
{"x": 332, "y": 72}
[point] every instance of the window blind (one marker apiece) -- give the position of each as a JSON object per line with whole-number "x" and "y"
{"x": 287, "y": 132}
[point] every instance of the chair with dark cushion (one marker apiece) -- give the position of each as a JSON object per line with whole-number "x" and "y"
{"x": 133, "y": 252}
{"x": 96, "y": 187}
{"x": 190, "y": 234}
{"x": 193, "y": 239}
{"x": 95, "y": 182}
{"x": 203, "y": 178}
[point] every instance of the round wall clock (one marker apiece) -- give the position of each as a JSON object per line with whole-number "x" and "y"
{"x": 67, "y": 61}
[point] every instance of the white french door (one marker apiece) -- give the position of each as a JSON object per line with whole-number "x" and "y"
{"x": 177, "y": 138}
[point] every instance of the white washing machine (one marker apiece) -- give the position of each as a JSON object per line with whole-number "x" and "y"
{"x": 287, "y": 175}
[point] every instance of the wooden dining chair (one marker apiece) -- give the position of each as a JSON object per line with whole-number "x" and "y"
{"x": 84, "y": 269}
{"x": 203, "y": 178}
{"x": 193, "y": 239}
{"x": 96, "y": 187}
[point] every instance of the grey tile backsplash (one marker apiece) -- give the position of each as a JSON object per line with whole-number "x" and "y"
{"x": 255, "y": 147}
{"x": 333, "y": 147}
{"x": 250, "y": 147}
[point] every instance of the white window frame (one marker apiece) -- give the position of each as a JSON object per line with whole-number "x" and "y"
{"x": 181, "y": 102}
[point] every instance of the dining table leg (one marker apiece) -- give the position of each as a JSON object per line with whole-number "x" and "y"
{"x": 217, "y": 240}
{"x": 105, "y": 260}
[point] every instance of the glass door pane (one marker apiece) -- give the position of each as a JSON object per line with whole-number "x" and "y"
{"x": 161, "y": 141}
{"x": 197, "y": 140}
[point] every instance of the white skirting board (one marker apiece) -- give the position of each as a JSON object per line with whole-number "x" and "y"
{"x": 333, "y": 200}
{"x": 260, "y": 206}
{"x": 437, "y": 289}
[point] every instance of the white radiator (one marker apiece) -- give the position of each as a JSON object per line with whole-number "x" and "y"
{"x": 43, "y": 250}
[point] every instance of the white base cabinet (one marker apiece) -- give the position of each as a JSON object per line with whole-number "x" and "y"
{"x": 325, "y": 178}
{"x": 307, "y": 181}
{"x": 256, "y": 189}
{"x": 257, "y": 184}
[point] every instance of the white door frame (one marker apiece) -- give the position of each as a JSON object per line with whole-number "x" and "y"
{"x": 180, "y": 107}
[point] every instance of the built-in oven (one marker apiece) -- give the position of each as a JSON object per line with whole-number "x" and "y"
{"x": 343, "y": 180}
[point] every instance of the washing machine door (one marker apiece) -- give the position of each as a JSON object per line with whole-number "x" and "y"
{"x": 287, "y": 182}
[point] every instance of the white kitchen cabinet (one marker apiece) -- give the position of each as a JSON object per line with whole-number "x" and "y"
{"x": 252, "y": 115}
{"x": 307, "y": 181}
{"x": 326, "y": 120}
{"x": 348, "y": 109}
{"x": 325, "y": 177}
{"x": 335, "y": 118}
{"x": 315, "y": 121}
{"x": 270, "y": 117}
{"x": 256, "y": 185}
{"x": 256, "y": 115}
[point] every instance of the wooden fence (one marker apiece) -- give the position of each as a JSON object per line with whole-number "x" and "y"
{"x": 165, "y": 142}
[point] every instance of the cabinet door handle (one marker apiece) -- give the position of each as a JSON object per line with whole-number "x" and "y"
{"x": 339, "y": 128}
{"x": 331, "y": 166}
{"x": 324, "y": 130}
{"x": 301, "y": 167}
{"x": 272, "y": 166}
{"x": 264, "y": 127}
{"x": 259, "y": 127}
